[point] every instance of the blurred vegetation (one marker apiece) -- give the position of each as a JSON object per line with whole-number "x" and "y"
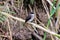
{"x": 12, "y": 29}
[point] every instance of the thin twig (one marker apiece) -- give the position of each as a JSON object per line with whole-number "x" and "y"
{"x": 30, "y": 8}
{"x": 4, "y": 36}
{"x": 37, "y": 36}
{"x": 38, "y": 20}
{"x": 9, "y": 29}
{"x": 21, "y": 6}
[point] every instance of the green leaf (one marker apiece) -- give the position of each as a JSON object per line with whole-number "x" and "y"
{"x": 44, "y": 36}
{"x": 32, "y": 1}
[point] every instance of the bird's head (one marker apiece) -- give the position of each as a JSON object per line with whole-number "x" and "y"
{"x": 32, "y": 13}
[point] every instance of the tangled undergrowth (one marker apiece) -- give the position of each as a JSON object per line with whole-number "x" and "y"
{"x": 47, "y": 15}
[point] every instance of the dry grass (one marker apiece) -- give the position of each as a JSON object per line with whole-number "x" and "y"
{"x": 12, "y": 26}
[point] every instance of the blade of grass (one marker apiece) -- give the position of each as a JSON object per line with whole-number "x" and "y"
{"x": 44, "y": 36}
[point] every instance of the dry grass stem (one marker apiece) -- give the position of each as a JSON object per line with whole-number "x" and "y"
{"x": 9, "y": 30}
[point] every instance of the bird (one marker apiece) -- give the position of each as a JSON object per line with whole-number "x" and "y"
{"x": 30, "y": 17}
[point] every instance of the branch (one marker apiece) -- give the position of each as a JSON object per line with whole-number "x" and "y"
{"x": 35, "y": 25}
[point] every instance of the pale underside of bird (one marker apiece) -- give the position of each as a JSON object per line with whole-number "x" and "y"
{"x": 29, "y": 18}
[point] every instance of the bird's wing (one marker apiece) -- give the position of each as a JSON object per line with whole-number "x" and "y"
{"x": 27, "y": 18}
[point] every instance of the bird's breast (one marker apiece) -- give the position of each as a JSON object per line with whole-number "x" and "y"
{"x": 32, "y": 17}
